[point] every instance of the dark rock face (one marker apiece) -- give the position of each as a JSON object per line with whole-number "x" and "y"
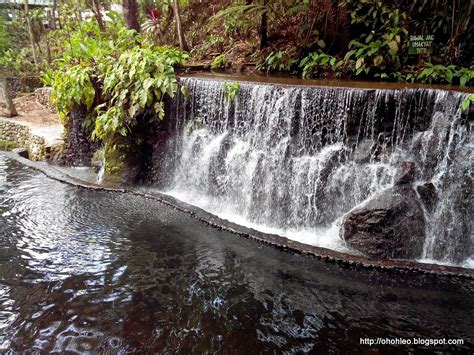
{"x": 79, "y": 149}
{"x": 391, "y": 225}
{"x": 405, "y": 173}
{"x": 365, "y": 151}
{"x": 428, "y": 195}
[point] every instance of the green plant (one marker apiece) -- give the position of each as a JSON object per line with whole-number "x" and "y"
{"x": 4, "y": 42}
{"x": 47, "y": 77}
{"x": 379, "y": 54}
{"x": 17, "y": 63}
{"x": 437, "y": 73}
{"x": 220, "y": 62}
{"x": 72, "y": 86}
{"x": 237, "y": 25}
{"x": 445, "y": 74}
{"x": 136, "y": 84}
{"x": 119, "y": 77}
{"x": 465, "y": 75}
{"x": 381, "y": 45}
{"x": 467, "y": 102}
{"x": 430, "y": 73}
{"x": 315, "y": 61}
{"x": 277, "y": 62}
{"x": 230, "y": 91}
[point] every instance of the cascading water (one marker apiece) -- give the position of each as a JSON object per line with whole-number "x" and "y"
{"x": 293, "y": 160}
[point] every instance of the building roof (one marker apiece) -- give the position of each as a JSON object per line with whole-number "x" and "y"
{"x": 33, "y": 3}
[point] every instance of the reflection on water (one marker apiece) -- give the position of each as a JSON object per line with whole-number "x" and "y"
{"x": 85, "y": 271}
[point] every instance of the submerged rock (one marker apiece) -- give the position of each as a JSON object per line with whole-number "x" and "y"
{"x": 391, "y": 225}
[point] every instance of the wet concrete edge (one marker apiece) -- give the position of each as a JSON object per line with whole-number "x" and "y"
{"x": 347, "y": 260}
{"x": 282, "y": 81}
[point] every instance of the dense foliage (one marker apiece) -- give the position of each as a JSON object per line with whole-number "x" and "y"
{"x": 137, "y": 82}
{"x": 312, "y": 38}
{"x": 118, "y": 75}
{"x": 120, "y": 66}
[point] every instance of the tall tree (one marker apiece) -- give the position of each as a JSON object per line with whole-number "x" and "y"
{"x": 94, "y": 5}
{"x": 31, "y": 33}
{"x": 177, "y": 14}
{"x": 264, "y": 27}
{"x": 11, "y": 110}
{"x": 131, "y": 14}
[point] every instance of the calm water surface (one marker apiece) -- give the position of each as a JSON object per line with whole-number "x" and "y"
{"x": 84, "y": 271}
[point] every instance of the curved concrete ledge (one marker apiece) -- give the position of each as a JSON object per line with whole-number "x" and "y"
{"x": 350, "y": 261}
{"x": 334, "y": 83}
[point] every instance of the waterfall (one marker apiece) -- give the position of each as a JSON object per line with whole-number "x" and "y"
{"x": 293, "y": 160}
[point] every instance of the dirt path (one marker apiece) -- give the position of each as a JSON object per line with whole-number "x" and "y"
{"x": 41, "y": 121}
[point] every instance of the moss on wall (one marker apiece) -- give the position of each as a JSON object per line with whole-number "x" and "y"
{"x": 8, "y": 145}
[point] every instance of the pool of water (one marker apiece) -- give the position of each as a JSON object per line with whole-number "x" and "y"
{"x": 87, "y": 271}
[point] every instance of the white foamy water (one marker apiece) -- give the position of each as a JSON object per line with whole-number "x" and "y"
{"x": 321, "y": 237}
{"x": 293, "y": 160}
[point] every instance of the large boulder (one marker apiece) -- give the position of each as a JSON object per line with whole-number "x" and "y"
{"x": 389, "y": 226}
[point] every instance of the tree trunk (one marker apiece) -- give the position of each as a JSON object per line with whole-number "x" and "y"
{"x": 31, "y": 33}
{"x": 5, "y": 96}
{"x": 131, "y": 14}
{"x": 58, "y": 12}
{"x": 264, "y": 28}
{"x": 48, "y": 49}
{"x": 182, "y": 41}
{"x": 53, "y": 15}
{"x": 95, "y": 7}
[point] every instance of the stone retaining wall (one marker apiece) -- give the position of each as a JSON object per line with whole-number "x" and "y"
{"x": 21, "y": 136}
{"x": 16, "y": 85}
{"x": 43, "y": 96}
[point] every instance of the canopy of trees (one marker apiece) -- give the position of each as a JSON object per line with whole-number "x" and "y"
{"x": 314, "y": 38}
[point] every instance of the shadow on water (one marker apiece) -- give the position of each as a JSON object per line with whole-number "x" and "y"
{"x": 87, "y": 271}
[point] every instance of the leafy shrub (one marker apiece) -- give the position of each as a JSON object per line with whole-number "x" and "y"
{"x": 315, "y": 61}
{"x": 220, "y": 62}
{"x": 467, "y": 102}
{"x": 438, "y": 73}
{"x": 116, "y": 76}
{"x": 466, "y": 76}
{"x": 72, "y": 86}
{"x": 237, "y": 25}
{"x": 4, "y": 42}
{"x": 17, "y": 63}
{"x": 136, "y": 84}
{"x": 277, "y": 61}
{"x": 381, "y": 45}
{"x": 214, "y": 41}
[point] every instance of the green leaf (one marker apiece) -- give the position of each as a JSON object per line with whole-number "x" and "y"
{"x": 185, "y": 91}
{"x": 349, "y": 55}
{"x": 378, "y": 60}
{"x": 393, "y": 45}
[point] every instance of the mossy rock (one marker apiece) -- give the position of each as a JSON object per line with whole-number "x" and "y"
{"x": 115, "y": 166}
